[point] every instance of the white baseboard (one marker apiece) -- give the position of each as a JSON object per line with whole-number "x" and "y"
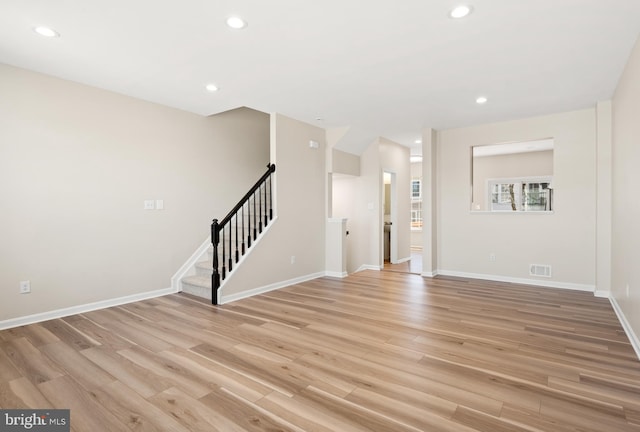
{"x": 189, "y": 265}
{"x": 74, "y": 310}
{"x": 430, "y": 274}
{"x": 602, "y": 293}
{"x": 633, "y": 337}
{"x": 336, "y": 274}
{"x": 368, "y": 267}
{"x": 271, "y": 287}
{"x": 524, "y": 281}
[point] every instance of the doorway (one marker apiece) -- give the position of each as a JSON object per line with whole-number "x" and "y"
{"x": 389, "y": 230}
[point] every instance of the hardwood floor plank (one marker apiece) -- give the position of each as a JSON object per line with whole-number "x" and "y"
{"x": 177, "y": 374}
{"x": 21, "y": 393}
{"x": 87, "y": 414}
{"x": 193, "y": 414}
{"x": 68, "y": 334}
{"x": 141, "y": 380}
{"x": 72, "y": 362}
{"x": 31, "y": 363}
{"x": 135, "y": 411}
{"x": 101, "y": 335}
{"x": 218, "y": 375}
{"x": 245, "y": 415}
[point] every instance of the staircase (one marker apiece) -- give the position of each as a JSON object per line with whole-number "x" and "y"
{"x": 231, "y": 239}
{"x": 200, "y": 283}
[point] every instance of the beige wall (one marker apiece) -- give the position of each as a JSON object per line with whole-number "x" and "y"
{"x": 345, "y": 163}
{"x": 360, "y": 200}
{"x": 507, "y": 166}
{"x": 626, "y": 181}
{"x": 565, "y": 239}
{"x": 76, "y": 164}
{"x": 299, "y": 230}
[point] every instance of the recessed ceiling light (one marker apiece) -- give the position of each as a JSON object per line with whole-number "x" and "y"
{"x": 212, "y": 87}
{"x": 415, "y": 158}
{"x": 481, "y": 100}
{"x": 460, "y": 11}
{"x": 235, "y": 22}
{"x": 46, "y": 32}
{"x": 418, "y": 141}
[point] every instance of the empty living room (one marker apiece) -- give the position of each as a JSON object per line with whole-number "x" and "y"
{"x": 332, "y": 216}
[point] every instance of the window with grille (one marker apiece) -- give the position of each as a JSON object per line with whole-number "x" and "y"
{"x": 524, "y": 194}
{"x": 416, "y": 203}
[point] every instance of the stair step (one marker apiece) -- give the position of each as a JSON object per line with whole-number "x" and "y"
{"x": 197, "y": 285}
{"x": 205, "y": 265}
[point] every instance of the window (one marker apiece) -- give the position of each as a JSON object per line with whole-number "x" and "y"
{"x": 415, "y": 189}
{"x": 524, "y": 194}
{"x": 416, "y": 204}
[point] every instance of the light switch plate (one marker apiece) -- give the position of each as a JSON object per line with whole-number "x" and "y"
{"x": 159, "y": 204}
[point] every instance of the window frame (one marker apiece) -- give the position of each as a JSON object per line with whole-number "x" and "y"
{"x": 518, "y": 183}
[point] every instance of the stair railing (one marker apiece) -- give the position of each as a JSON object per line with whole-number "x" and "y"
{"x": 245, "y": 222}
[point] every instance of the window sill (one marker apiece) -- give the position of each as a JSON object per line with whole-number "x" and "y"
{"x": 485, "y": 212}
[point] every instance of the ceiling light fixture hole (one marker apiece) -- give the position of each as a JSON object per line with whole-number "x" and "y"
{"x": 235, "y": 22}
{"x": 46, "y": 32}
{"x": 460, "y": 11}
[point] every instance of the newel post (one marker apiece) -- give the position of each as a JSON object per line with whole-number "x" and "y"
{"x": 215, "y": 276}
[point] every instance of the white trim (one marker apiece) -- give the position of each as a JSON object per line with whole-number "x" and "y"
{"x": 368, "y": 267}
{"x": 602, "y": 293}
{"x": 430, "y": 274}
{"x": 336, "y": 274}
{"x": 525, "y": 281}
{"x": 633, "y": 338}
{"x": 74, "y": 310}
{"x": 271, "y": 287}
{"x": 187, "y": 268}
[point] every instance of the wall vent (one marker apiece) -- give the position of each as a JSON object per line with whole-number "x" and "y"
{"x": 540, "y": 270}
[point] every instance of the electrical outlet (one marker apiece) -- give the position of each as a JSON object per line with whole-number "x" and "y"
{"x": 492, "y": 257}
{"x": 293, "y": 259}
{"x": 25, "y": 287}
{"x": 149, "y": 204}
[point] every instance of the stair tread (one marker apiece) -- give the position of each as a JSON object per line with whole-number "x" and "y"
{"x": 208, "y": 265}
{"x": 200, "y": 281}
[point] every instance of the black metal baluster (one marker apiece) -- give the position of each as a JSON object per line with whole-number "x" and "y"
{"x": 259, "y": 192}
{"x": 224, "y": 254}
{"x": 255, "y": 222}
{"x": 215, "y": 276}
{"x": 266, "y": 214}
{"x": 249, "y": 222}
{"x": 230, "y": 249}
{"x": 242, "y": 211}
{"x": 270, "y": 197}
{"x": 237, "y": 249}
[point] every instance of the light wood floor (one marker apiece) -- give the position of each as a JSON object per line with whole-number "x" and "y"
{"x": 377, "y": 351}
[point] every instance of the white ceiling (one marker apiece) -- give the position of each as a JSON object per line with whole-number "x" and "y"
{"x": 380, "y": 68}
